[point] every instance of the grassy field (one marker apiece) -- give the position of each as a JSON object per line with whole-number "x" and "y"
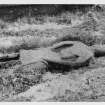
{"x": 83, "y": 84}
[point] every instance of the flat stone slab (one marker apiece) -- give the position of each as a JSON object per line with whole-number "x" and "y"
{"x": 67, "y": 53}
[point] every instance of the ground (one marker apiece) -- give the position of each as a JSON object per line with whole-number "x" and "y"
{"x": 82, "y": 84}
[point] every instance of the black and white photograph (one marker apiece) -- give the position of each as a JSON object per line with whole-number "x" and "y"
{"x": 52, "y": 52}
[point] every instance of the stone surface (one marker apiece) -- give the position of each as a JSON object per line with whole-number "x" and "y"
{"x": 98, "y": 50}
{"x": 65, "y": 53}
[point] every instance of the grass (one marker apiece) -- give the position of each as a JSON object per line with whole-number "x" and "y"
{"x": 73, "y": 26}
{"x": 81, "y": 27}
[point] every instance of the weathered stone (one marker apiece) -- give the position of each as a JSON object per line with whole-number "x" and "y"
{"x": 7, "y": 56}
{"x": 98, "y": 50}
{"x": 72, "y": 53}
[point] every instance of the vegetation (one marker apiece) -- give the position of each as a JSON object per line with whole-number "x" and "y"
{"x": 85, "y": 23}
